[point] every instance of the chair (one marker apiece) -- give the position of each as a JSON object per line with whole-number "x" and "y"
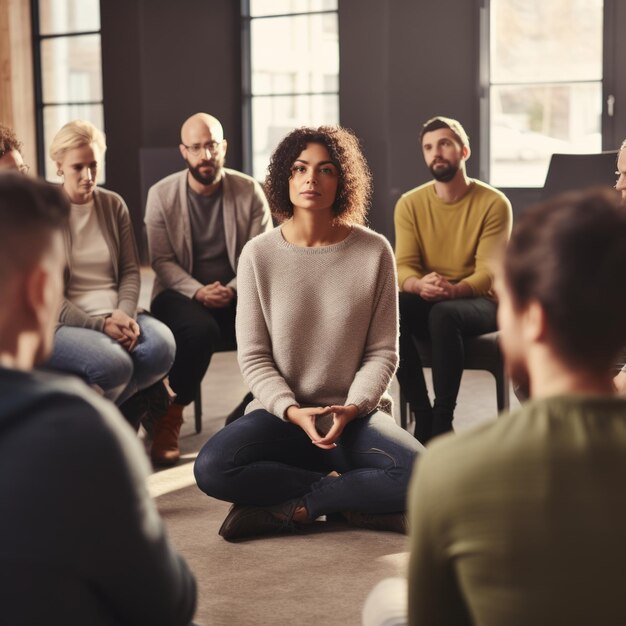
{"x": 481, "y": 353}
{"x": 569, "y": 172}
{"x": 197, "y": 409}
{"x": 197, "y": 401}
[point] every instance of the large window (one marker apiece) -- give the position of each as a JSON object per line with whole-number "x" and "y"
{"x": 68, "y": 69}
{"x": 291, "y": 72}
{"x": 545, "y": 85}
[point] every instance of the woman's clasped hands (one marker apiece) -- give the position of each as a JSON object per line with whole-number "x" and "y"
{"x": 122, "y": 328}
{"x": 307, "y": 417}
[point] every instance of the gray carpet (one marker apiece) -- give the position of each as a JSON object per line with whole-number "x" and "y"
{"x": 321, "y": 577}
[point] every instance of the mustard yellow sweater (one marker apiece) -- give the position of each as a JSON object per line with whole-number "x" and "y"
{"x": 457, "y": 240}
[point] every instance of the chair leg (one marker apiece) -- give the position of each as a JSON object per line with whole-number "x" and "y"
{"x": 197, "y": 406}
{"x": 502, "y": 390}
{"x": 403, "y": 411}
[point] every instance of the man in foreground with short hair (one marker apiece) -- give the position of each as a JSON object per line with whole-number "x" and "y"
{"x": 447, "y": 232}
{"x": 81, "y": 541}
{"x": 198, "y": 221}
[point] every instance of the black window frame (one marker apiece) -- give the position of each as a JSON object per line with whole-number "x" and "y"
{"x": 608, "y": 125}
{"x": 246, "y": 88}
{"x": 40, "y": 105}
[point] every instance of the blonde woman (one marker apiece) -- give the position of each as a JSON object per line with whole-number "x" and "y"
{"x": 101, "y": 336}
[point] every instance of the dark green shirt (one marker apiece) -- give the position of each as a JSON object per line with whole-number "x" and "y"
{"x": 522, "y": 522}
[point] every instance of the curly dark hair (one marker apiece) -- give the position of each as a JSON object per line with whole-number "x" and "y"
{"x": 8, "y": 141}
{"x": 354, "y": 188}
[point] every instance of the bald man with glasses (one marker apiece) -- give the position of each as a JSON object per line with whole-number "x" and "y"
{"x": 198, "y": 221}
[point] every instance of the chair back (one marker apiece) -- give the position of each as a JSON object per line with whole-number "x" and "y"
{"x": 570, "y": 172}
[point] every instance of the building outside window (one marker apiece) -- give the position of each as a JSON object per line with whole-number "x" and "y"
{"x": 68, "y": 70}
{"x": 545, "y": 85}
{"x": 291, "y": 72}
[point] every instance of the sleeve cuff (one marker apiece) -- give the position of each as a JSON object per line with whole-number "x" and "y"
{"x": 189, "y": 288}
{"x": 281, "y": 406}
{"x": 364, "y": 405}
{"x": 129, "y": 307}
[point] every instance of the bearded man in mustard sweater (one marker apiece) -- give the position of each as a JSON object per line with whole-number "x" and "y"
{"x": 447, "y": 231}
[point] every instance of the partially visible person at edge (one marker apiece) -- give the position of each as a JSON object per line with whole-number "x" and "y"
{"x": 81, "y": 541}
{"x": 521, "y": 521}
{"x": 446, "y": 233}
{"x": 10, "y": 151}
{"x": 101, "y": 337}
{"x": 197, "y": 222}
{"x": 620, "y": 379}
{"x": 317, "y": 332}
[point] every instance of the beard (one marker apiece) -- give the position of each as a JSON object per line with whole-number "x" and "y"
{"x": 443, "y": 174}
{"x": 211, "y": 177}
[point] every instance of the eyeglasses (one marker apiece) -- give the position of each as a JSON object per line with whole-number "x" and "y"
{"x": 196, "y": 149}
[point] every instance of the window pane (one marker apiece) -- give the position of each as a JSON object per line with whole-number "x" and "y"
{"x": 68, "y": 16}
{"x": 295, "y": 54}
{"x": 56, "y": 116}
{"x": 539, "y": 40}
{"x": 531, "y": 122}
{"x": 71, "y": 69}
{"x": 282, "y": 7}
{"x": 274, "y": 117}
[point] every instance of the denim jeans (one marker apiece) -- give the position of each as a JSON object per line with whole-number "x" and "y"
{"x": 263, "y": 460}
{"x": 445, "y": 324}
{"x": 100, "y": 360}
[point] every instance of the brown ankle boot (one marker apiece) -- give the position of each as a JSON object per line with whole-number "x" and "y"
{"x": 165, "y": 439}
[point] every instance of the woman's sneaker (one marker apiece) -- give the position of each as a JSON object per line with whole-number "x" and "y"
{"x": 244, "y": 520}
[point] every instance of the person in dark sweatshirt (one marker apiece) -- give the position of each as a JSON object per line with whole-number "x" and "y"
{"x": 81, "y": 541}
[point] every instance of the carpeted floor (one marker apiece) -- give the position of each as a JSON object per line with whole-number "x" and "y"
{"x": 322, "y": 577}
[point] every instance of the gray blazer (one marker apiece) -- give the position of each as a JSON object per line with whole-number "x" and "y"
{"x": 246, "y": 214}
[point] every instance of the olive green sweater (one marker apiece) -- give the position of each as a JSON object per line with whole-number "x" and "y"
{"x": 521, "y": 522}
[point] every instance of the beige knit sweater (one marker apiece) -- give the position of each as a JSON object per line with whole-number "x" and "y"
{"x": 318, "y": 326}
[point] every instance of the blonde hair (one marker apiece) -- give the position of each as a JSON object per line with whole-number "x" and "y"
{"x": 623, "y": 145}
{"x": 73, "y": 135}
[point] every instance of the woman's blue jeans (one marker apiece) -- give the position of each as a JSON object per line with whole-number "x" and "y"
{"x": 262, "y": 460}
{"x": 100, "y": 360}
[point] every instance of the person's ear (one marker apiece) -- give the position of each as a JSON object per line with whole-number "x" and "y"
{"x": 466, "y": 151}
{"x": 224, "y": 147}
{"x": 534, "y": 323}
{"x": 181, "y": 147}
{"x": 35, "y": 296}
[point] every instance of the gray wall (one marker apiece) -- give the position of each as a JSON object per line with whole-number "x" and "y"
{"x": 162, "y": 61}
{"x": 402, "y": 61}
